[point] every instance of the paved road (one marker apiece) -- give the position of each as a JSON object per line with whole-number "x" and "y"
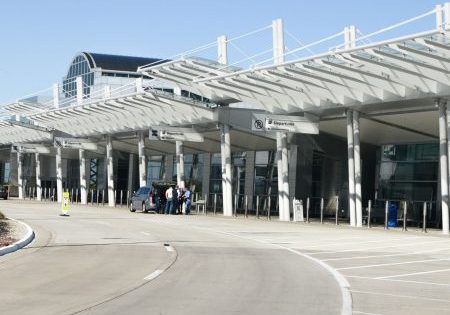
{"x": 110, "y": 261}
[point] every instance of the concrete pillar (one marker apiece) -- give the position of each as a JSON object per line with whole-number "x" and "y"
{"x": 357, "y": 157}
{"x": 351, "y": 169}
{"x": 20, "y": 174}
{"x": 79, "y": 83}
{"x": 443, "y": 160}
{"x": 83, "y": 180}
{"x": 56, "y": 95}
{"x": 38, "y": 177}
{"x": 283, "y": 177}
{"x": 278, "y": 41}
{"x": 110, "y": 171}
{"x": 59, "y": 184}
{"x": 180, "y": 163}
{"x": 225, "y": 146}
{"x": 142, "y": 160}
{"x": 130, "y": 173}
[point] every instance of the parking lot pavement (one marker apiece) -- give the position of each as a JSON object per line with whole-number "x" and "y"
{"x": 389, "y": 272}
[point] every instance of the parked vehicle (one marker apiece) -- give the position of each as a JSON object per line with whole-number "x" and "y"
{"x": 4, "y": 192}
{"x": 152, "y": 198}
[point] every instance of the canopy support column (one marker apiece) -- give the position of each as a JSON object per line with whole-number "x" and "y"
{"x": 357, "y": 157}
{"x": 283, "y": 182}
{"x": 83, "y": 181}
{"x": 351, "y": 168}
{"x": 38, "y": 176}
{"x": 225, "y": 147}
{"x": 59, "y": 184}
{"x": 110, "y": 171}
{"x": 142, "y": 160}
{"x": 180, "y": 163}
{"x": 130, "y": 172}
{"x": 443, "y": 163}
{"x": 19, "y": 174}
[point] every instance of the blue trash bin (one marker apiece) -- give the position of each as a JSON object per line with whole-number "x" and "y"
{"x": 392, "y": 214}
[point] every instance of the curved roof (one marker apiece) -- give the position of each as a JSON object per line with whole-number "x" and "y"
{"x": 119, "y": 63}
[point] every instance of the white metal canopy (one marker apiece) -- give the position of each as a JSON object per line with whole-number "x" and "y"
{"x": 411, "y": 67}
{"x": 13, "y": 132}
{"x": 136, "y": 111}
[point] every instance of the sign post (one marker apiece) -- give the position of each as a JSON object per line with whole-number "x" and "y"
{"x": 65, "y": 204}
{"x": 175, "y": 134}
{"x": 298, "y": 210}
{"x": 307, "y": 124}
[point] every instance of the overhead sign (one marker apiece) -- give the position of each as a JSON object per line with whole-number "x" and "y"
{"x": 31, "y": 148}
{"x": 175, "y": 134}
{"x": 295, "y": 124}
{"x": 75, "y": 143}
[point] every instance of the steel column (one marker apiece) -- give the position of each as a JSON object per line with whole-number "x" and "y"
{"x": 83, "y": 180}
{"x": 38, "y": 177}
{"x": 110, "y": 171}
{"x": 59, "y": 184}
{"x": 351, "y": 169}
{"x": 142, "y": 160}
{"x": 357, "y": 161}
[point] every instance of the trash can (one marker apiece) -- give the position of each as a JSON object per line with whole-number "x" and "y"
{"x": 392, "y": 214}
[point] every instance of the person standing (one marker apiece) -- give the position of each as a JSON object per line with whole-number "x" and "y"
{"x": 169, "y": 202}
{"x": 174, "y": 200}
{"x": 187, "y": 201}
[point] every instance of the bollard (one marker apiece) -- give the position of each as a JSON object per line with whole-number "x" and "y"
{"x": 386, "y": 212}
{"x": 405, "y": 212}
{"x": 103, "y": 197}
{"x": 337, "y": 210}
{"x": 33, "y": 192}
{"x": 76, "y": 196}
{"x": 321, "y": 210}
{"x": 424, "y": 226}
{"x": 369, "y": 211}
{"x": 71, "y": 195}
{"x": 121, "y": 198}
{"x": 246, "y": 206}
{"x": 97, "y": 198}
{"x": 29, "y": 192}
{"x": 45, "y": 193}
{"x": 53, "y": 196}
{"x": 307, "y": 210}
{"x": 206, "y": 204}
{"x": 128, "y": 198}
{"x": 115, "y": 196}
{"x": 215, "y": 204}
{"x": 268, "y": 207}
{"x": 92, "y": 197}
{"x": 257, "y": 207}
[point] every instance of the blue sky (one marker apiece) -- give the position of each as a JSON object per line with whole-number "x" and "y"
{"x": 39, "y": 38}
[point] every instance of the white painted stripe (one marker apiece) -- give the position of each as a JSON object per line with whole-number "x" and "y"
{"x": 405, "y": 281}
{"x": 169, "y": 248}
{"x": 365, "y": 313}
{"x": 393, "y": 264}
{"x": 347, "y": 303}
{"x": 378, "y": 247}
{"x": 359, "y": 243}
{"x": 401, "y": 296}
{"x": 153, "y": 275}
{"x": 389, "y": 255}
{"x": 413, "y": 274}
{"x": 145, "y": 233}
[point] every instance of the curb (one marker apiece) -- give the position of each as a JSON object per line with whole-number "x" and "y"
{"x": 19, "y": 244}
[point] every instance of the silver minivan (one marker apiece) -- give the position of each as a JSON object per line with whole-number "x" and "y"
{"x": 143, "y": 200}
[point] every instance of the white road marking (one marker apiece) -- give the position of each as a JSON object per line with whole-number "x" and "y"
{"x": 378, "y": 247}
{"x": 401, "y": 296}
{"x": 413, "y": 274}
{"x": 365, "y": 313}
{"x": 359, "y": 243}
{"x": 389, "y": 255}
{"x": 169, "y": 248}
{"x": 398, "y": 280}
{"x": 153, "y": 275}
{"x": 145, "y": 233}
{"x": 393, "y": 264}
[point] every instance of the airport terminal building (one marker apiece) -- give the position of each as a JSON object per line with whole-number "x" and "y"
{"x": 363, "y": 122}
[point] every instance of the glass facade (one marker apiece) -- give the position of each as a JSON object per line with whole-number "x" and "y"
{"x": 155, "y": 169}
{"x": 408, "y": 174}
{"x": 193, "y": 171}
{"x": 266, "y": 174}
{"x": 79, "y": 67}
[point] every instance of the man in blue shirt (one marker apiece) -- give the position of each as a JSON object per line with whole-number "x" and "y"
{"x": 187, "y": 201}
